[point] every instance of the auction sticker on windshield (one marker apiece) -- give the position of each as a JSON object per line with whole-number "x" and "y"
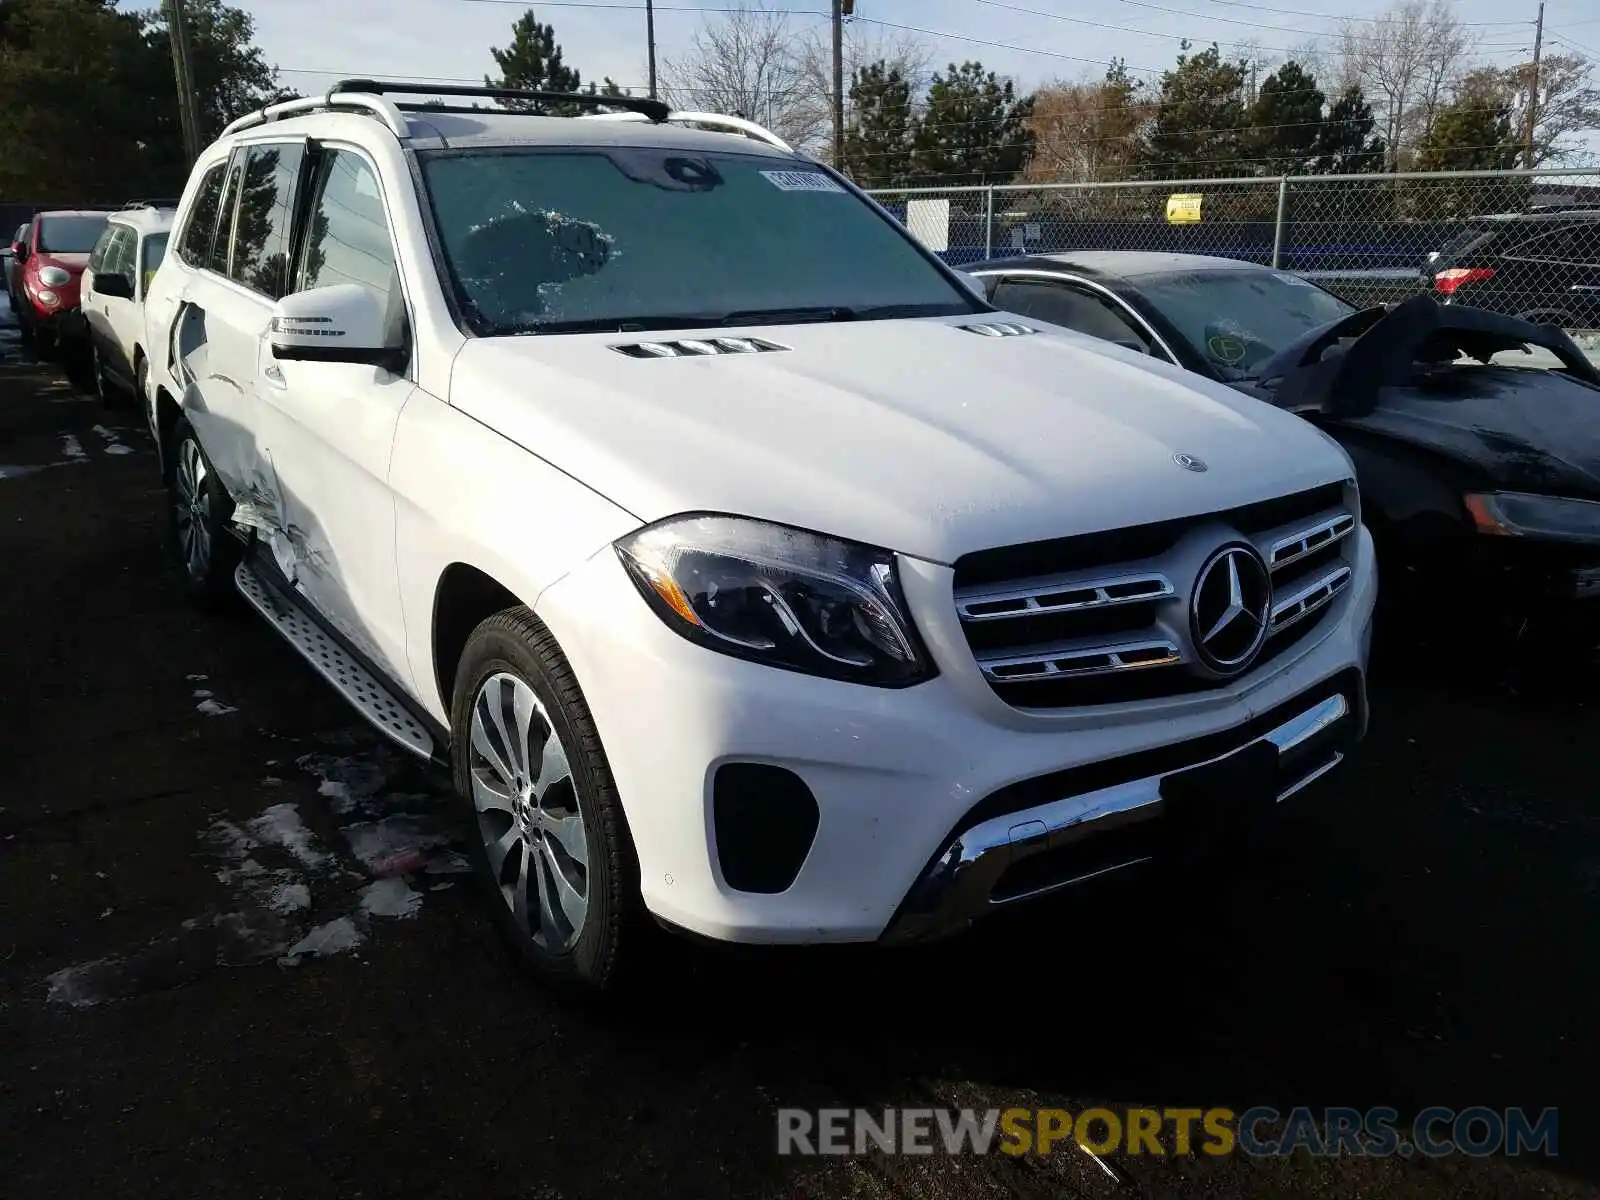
{"x": 801, "y": 181}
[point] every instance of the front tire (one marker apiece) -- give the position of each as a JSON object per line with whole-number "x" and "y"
{"x": 552, "y": 853}
{"x": 201, "y": 510}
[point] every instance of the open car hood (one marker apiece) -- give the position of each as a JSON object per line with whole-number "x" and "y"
{"x": 1342, "y": 369}
{"x": 1397, "y": 374}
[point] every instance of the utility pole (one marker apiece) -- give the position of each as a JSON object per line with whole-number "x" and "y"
{"x": 183, "y": 72}
{"x": 650, "y": 38}
{"x": 1533, "y": 82}
{"x": 840, "y": 9}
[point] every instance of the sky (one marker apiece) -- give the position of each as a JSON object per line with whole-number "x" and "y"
{"x": 315, "y": 42}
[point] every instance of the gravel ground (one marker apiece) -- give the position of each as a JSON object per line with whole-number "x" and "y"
{"x": 213, "y": 981}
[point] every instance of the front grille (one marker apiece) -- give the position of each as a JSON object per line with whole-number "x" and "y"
{"x": 1103, "y": 618}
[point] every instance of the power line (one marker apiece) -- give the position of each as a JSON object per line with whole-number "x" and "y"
{"x": 1300, "y": 12}
{"x": 640, "y": 7}
{"x": 1178, "y": 37}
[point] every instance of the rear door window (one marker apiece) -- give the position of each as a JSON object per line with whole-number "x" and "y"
{"x": 266, "y": 216}
{"x": 97, "y": 256}
{"x": 220, "y": 249}
{"x": 194, "y": 246}
{"x": 1071, "y": 307}
{"x": 119, "y": 259}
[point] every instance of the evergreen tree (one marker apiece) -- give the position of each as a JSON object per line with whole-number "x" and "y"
{"x": 1285, "y": 122}
{"x": 1472, "y": 132}
{"x": 1346, "y": 143}
{"x": 533, "y": 63}
{"x": 879, "y": 143}
{"x": 974, "y": 129}
{"x": 1200, "y": 118}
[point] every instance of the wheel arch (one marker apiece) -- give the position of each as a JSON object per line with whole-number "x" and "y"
{"x": 167, "y": 414}
{"x": 463, "y": 598}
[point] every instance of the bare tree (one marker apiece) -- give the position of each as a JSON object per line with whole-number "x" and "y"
{"x": 1406, "y": 61}
{"x": 1087, "y": 132}
{"x": 745, "y": 64}
{"x": 1569, "y": 104}
{"x": 908, "y": 53}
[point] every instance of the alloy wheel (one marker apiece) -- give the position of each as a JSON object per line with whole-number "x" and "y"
{"x": 528, "y": 811}
{"x": 192, "y": 507}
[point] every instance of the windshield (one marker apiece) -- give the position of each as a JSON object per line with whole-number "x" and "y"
{"x": 568, "y": 240}
{"x": 69, "y": 235}
{"x": 1239, "y": 319}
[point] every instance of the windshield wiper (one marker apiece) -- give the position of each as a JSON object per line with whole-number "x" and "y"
{"x": 790, "y": 316}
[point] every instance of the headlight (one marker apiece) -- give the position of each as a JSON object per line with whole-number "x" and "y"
{"x": 46, "y": 297}
{"x": 54, "y": 277}
{"x": 1519, "y": 514}
{"x": 780, "y": 596}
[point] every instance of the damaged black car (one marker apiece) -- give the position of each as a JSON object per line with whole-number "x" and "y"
{"x": 1476, "y": 436}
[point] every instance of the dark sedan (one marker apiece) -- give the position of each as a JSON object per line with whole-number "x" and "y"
{"x": 1480, "y": 477}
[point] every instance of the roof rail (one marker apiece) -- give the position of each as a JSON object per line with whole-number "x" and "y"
{"x": 376, "y": 105}
{"x": 714, "y": 120}
{"x": 653, "y": 110}
{"x": 132, "y": 204}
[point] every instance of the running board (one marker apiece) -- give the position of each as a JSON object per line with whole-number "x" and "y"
{"x": 364, "y": 691}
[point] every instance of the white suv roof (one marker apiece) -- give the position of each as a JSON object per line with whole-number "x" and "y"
{"x": 640, "y": 123}
{"x": 146, "y": 220}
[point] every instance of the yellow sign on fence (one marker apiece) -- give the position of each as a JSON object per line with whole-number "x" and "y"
{"x": 1183, "y": 208}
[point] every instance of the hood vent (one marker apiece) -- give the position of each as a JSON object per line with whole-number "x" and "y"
{"x": 998, "y": 329}
{"x": 695, "y": 347}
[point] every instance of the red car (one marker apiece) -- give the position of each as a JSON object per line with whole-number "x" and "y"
{"x": 51, "y": 257}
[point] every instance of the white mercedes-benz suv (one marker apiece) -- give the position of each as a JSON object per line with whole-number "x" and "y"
{"x": 748, "y": 570}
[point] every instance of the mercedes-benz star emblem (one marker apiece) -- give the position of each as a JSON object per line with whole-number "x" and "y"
{"x": 1188, "y": 462}
{"x": 1230, "y": 610}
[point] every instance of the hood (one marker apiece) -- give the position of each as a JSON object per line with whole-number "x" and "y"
{"x": 67, "y": 262}
{"x": 915, "y": 435}
{"x": 1522, "y": 428}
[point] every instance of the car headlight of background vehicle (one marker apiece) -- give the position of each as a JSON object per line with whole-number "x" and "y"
{"x": 54, "y": 277}
{"x": 1521, "y": 514}
{"x": 780, "y": 596}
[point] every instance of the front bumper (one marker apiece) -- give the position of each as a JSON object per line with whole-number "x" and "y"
{"x": 899, "y": 777}
{"x": 1032, "y": 852}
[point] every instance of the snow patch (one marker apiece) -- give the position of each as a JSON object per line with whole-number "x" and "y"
{"x": 73, "y": 985}
{"x": 390, "y": 898}
{"x": 290, "y": 898}
{"x": 113, "y": 442}
{"x": 71, "y": 446}
{"x": 281, "y": 825}
{"x": 335, "y": 937}
{"x": 213, "y": 708}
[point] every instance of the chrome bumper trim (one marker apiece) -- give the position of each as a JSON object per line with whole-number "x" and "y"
{"x": 958, "y": 887}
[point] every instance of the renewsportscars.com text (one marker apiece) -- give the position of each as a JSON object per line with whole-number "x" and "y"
{"x": 1433, "y": 1132}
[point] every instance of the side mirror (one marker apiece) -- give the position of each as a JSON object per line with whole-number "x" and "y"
{"x": 118, "y": 286}
{"x": 340, "y": 323}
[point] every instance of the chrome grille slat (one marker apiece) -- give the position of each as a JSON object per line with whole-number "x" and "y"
{"x": 1081, "y": 619}
{"x": 1033, "y": 597}
{"x": 1308, "y": 598}
{"x": 1052, "y": 662}
{"x": 1305, "y": 542}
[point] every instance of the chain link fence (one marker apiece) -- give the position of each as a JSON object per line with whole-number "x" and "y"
{"x": 1519, "y": 242}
